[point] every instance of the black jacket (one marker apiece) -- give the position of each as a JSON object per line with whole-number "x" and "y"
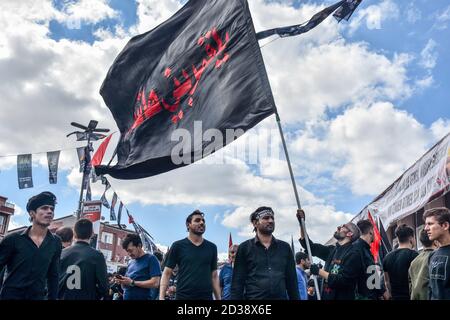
{"x": 32, "y": 272}
{"x": 344, "y": 265}
{"x": 83, "y": 273}
{"x": 369, "y": 270}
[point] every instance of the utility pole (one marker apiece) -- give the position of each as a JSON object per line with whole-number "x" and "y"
{"x": 89, "y": 132}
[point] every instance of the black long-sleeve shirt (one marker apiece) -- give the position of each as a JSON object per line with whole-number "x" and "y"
{"x": 344, "y": 266}
{"x": 261, "y": 273}
{"x": 29, "y": 268}
{"x": 83, "y": 273}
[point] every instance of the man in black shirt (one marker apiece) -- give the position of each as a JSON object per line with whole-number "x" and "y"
{"x": 31, "y": 257}
{"x": 264, "y": 267}
{"x": 196, "y": 258}
{"x": 396, "y": 264}
{"x": 437, "y": 225}
{"x": 369, "y": 281}
{"x": 83, "y": 269}
{"x": 343, "y": 265}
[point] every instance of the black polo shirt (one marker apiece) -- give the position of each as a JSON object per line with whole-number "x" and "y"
{"x": 261, "y": 273}
{"x": 30, "y": 269}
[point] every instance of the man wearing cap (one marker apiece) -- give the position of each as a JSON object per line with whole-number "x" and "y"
{"x": 343, "y": 264}
{"x": 264, "y": 267}
{"x": 32, "y": 257}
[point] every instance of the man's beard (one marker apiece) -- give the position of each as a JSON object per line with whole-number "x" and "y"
{"x": 338, "y": 236}
{"x": 267, "y": 231}
{"x": 198, "y": 233}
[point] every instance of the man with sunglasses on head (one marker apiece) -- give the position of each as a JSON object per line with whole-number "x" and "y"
{"x": 343, "y": 264}
{"x": 264, "y": 267}
{"x": 32, "y": 256}
{"x": 196, "y": 258}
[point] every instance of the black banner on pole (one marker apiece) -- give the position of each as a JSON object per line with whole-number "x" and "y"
{"x": 53, "y": 159}
{"x": 81, "y": 156}
{"x": 24, "y": 173}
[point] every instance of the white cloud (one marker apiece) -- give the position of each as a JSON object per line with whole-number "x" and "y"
{"x": 440, "y": 128}
{"x": 442, "y": 19}
{"x": 375, "y": 15}
{"x": 428, "y": 55}
{"x": 153, "y": 12}
{"x": 413, "y": 14}
{"x": 365, "y": 148}
{"x": 86, "y": 12}
{"x": 308, "y": 81}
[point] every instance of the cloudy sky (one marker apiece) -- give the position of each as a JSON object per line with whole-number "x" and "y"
{"x": 360, "y": 101}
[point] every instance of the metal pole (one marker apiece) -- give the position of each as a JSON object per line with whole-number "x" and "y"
{"x": 86, "y": 157}
{"x": 302, "y": 222}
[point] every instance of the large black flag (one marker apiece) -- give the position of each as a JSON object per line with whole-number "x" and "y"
{"x": 203, "y": 64}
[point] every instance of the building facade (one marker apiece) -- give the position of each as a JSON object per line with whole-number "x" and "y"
{"x": 6, "y": 212}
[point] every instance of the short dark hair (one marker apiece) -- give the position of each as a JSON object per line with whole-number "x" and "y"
{"x": 441, "y": 214}
{"x": 83, "y": 229}
{"x": 196, "y": 212}
{"x": 299, "y": 256}
{"x": 424, "y": 240}
{"x": 404, "y": 232}
{"x": 365, "y": 226}
{"x": 131, "y": 238}
{"x": 65, "y": 233}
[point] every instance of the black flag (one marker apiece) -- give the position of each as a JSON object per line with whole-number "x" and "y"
{"x": 53, "y": 159}
{"x": 203, "y": 64}
{"x": 24, "y": 172}
{"x": 301, "y": 28}
{"x": 346, "y": 10}
{"x": 83, "y": 136}
{"x": 81, "y": 156}
{"x": 105, "y": 201}
{"x": 119, "y": 214}
{"x": 88, "y": 192}
{"x": 112, "y": 215}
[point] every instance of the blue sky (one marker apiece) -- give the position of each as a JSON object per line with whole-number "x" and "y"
{"x": 360, "y": 101}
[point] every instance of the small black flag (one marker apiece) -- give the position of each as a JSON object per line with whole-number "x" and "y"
{"x": 119, "y": 214}
{"x": 113, "y": 204}
{"x": 105, "y": 201}
{"x": 53, "y": 159}
{"x": 24, "y": 171}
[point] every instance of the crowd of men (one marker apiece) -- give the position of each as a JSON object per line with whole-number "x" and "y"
{"x": 37, "y": 265}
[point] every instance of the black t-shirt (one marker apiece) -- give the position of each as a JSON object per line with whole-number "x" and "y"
{"x": 396, "y": 264}
{"x": 195, "y": 265}
{"x": 439, "y": 271}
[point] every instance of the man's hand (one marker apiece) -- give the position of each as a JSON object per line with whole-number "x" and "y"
{"x": 314, "y": 269}
{"x": 124, "y": 281}
{"x": 300, "y": 215}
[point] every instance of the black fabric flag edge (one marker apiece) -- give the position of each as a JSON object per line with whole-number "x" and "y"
{"x": 311, "y": 24}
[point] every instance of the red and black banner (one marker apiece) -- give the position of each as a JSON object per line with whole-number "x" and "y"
{"x": 203, "y": 64}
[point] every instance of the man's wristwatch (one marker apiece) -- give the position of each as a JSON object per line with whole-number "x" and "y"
{"x": 132, "y": 283}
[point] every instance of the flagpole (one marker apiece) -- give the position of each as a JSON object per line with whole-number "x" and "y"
{"x": 302, "y": 221}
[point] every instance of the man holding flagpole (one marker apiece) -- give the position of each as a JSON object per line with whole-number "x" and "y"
{"x": 264, "y": 267}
